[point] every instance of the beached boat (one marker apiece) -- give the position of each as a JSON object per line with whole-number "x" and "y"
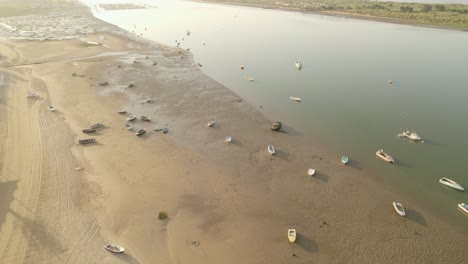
{"x": 463, "y": 207}
{"x": 452, "y": 184}
{"x": 210, "y": 123}
{"x": 298, "y": 65}
{"x": 97, "y": 125}
{"x": 89, "y": 130}
{"x": 51, "y": 108}
{"x": 410, "y": 135}
{"x": 86, "y": 141}
{"x": 144, "y": 118}
{"x": 344, "y": 160}
{"x": 292, "y": 235}
{"x": 311, "y": 172}
{"x": 271, "y": 149}
{"x": 165, "y": 130}
{"x": 114, "y": 248}
{"x": 249, "y": 78}
{"x": 31, "y": 95}
{"x": 399, "y": 209}
{"x": 140, "y": 132}
{"x": 297, "y": 99}
{"x": 228, "y": 139}
{"x": 381, "y": 154}
{"x": 122, "y": 112}
{"x": 131, "y": 118}
{"x": 128, "y": 126}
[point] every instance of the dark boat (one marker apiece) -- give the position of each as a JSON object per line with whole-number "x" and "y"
{"x": 89, "y": 130}
{"x": 145, "y": 118}
{"x": 140, "y": 132}
{"x": 97, "y": 125}
{"x": 86, "y": 141}
{"x": 165, "y": 130}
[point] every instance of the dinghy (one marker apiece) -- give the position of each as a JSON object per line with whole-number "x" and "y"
{"x": 344, "y": 160}
{"x": 97, "y": 125}
{"x": 381, "y": 154}
{"x": 463, "y": 207}
{"x": 165, "y": 130}
{"x": 399, "y": 208}
{"x": 292, "y": 235}
{"x": 131, "y": 118}
{"x": 89, "y": 130}
{"x": 51, "y": 108}
{"x": 140, "y": 132}
{"x": 228, "y": 139}
{"x": 271, "y": 150}
{"x": 452, "y": 184}
{"x": 122, "y": 112}
{"x": 114, "y": 248}
{"x": 128, "y": 126}
{"x": 311, "y": 172}
{"x": 144, "y": 118}
{"x": 86, "y": 141}
{"x": 297, "y": 99}
{"x": 298, "y": 65}
{"x": 210, "y": 123}
{"x": 249, "y": 78}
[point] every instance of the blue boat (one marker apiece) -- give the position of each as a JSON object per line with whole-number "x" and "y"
{"x": 344, "y": 160}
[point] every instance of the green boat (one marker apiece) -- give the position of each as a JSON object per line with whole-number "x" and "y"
{"x": 344, "y": 160}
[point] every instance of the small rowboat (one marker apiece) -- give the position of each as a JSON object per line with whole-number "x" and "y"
{"x": 381, "y": 154}
{"x": 128, "y": 126}
{"x": 114, "y": 248}
{"x": 140, "y": 132}
{"x": 399, "y": 209}
{"x": 51, "y": 108}
{"x": 97, "y": 125}
{"x": 271, "y": 150}
{"x": 452, "y": 184}
{"x": 210, "y": 124}
{"x": 228, "y": 139}
{"x": 86, "y": 141}
{"x": 250, "y": 79}
{"x": 89, "y": 130}
{"x": 297, "y": 99}
{"x": 144, "y": 118}
{"x": 122, "y": 112}
{"x": 463, "y": 207}
{"x": 311, "y": 172}
{"x": 344, "y": 160}
{"x": 131, "y": 118}
{"x": 292, "y": 235}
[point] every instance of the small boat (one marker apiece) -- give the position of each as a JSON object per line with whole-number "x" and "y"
{"x": 51, "y": 108}
{"x": 114, "y": 248}
{"x": 298, "y": 65}
{"x": 144, "y": 118}
{"x": 210, "y": 123}
{"x": 188, "y": 33}
{"x": 463, "y": 207}
{"x": 271, "y": 149}
{"x": 297, "y": 99}
{"x": 97, "y": 125}
{"x": 389, "y": 81}
{"x": 242, "y": 67}
{"x": 199, "y": 64}
{"x": 452, "y": 184}
{"x": 140, "y": 132}
{"x": 399, "y": 208}
{"x": 249, "y": 78}
{"x": 344, "y": 160}
{"x": 31, "y": 95}
{"x": 311, "y": 172}
{"x": 89, "y": 130}
{"x": 158, "y": 129}
{"x": 410, "y": 135}
{"x": 292, "y": 235}
{"x": 131, "y": 118}
{"x": 128, "y": 126}
{"x": 228, "y": 139}
{"x": 86, "y": 141}
{"x": 122, "y": 112}
{"x": 381, "y": 154}
{"x": 165, "y": 130}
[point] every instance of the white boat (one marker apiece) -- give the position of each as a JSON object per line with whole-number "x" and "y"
{"x": 145, "y": 118}
{"x": 390, "y": 82}
{"x": 452, "y": 184}
{"x": 298, "y": 65}
{"x": 128, "y": 126}
{"x": 271, "y": 149}
{"x": 228, "y": 139}
{"x": 249, "y": 78}
{"x": 311, "y": 172}
{"x": 292, "y": 235}
{"x": 114, "y": 248}
{"x": 381, "y": 154}
{"x": 297, "y": 99}
{"x": 463, "y": 207}
{"x": 413, "y": 136}
{"x": 399, "y": 208}
{"x": 344, "y": 160}
{"x": 131, "y": 118}
{"x": 210, "y": 123}
{"x": 241, "y": 67}
{"x": 51, "y": 108}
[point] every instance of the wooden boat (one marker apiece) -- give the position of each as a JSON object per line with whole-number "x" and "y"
{"x": 86, "y": 141}
{"x": 128, "y": 126}
{"x": 228, "y": 139}
{"x": 344, "y": 160}
{"x": 131, "y": 118}
{"x": 97, "y": 125}
{"x": 381, "y": 154}
{"x": 271, "y": 150}
{"x": 399, "y": 209}
{"x": 140, "y": 132}
{"x": 297, "y": 99}
{"x": 298, "y": 65}
{"x": 122, "y": 112}
{"x": 165, "y": 130}
{"x": 210, "y": 123}
{"x": 114, "y": 248}
{"x": 51, "y": 108}
{"x": 249, "y": 78}
{"x": 89, "y": 130}
{"x": 452, "y": 184}
{"x": 311, "y": 172}
{"x": 463, "y": 207}
{"x": 292, "y": 235}
{"x": 144, "y": 118}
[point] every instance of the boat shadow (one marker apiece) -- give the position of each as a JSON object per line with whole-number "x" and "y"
{"x": 282, "y": 155}
{"x": 306, "y": 243}
{"x": 320, "y": 176}
{"x": 95, "y": 144}
{"x": 126, "y": 258}
{"x": 236, "y": 142}
{"x": 290, "y": 131}
{"x": 430, "y": 142}
{"x": 402, "y": 164}
{"x": 415, "y": 217}
{"x": 354, "y": 164}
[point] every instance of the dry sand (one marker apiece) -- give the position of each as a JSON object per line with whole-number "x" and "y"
{"x": 234, "y": 199}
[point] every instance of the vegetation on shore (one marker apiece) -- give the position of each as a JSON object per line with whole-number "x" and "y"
{"x": 445, "y": 15}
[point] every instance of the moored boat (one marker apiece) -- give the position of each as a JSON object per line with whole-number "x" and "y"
{"x": 381, "y": 154}
{"x": 165, "y": 130}
{"x": 131, "y": 118}
{"x": 344, "y": 160}
{"x": 452, "y": 184}
{"x": 311, "y": 172}
{"x": 410, "y": 135}
{"x": 128, "y": 126}
{"x": 51, "y": 108}
{"x": 89, "y": 130}
{"x": 228, "y": 139}
{"x": 297, "y": 99}
{"x": 97, "y": 125}
{"x": 86, "y": 141}
{"x": 114, "y": 248}
{"x": 140, "y": 132}
{"x": 145, "y": 118}
{"x": 249, "y": 78}
{"x": 399, "y": 209}
{"x": 210, "y": 123}
{"x": 463, "y": 207}
{"x": 389, "y": 81}
{"x": 271, "y": 150}
{"x": 298, "y": 65}
{"x": 292, "y": 235}
{"x": 242, "y": 67}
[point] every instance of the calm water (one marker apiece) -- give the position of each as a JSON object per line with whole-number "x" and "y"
{"x": 347, "y": 102}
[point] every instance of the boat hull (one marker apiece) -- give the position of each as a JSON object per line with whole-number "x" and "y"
{"x": 451, "y": 184}
{"x": 463, "y": 207}
{"x": 385, "y": 156}
{"x": 399, "y": 209}
{"x": 292, "y": 235}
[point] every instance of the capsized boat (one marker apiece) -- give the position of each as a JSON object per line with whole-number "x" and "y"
{"x": 297, "y": 99}
{"x": 344, "y": 160}
{"x": 86, "y": 141}
{"x": 292, "y": 235}
{"x": 271, "y": 149}
{"x": 128, "y": 126}
{"x": 399, "y": 209}
{"x": 311, "y": 172}
{"x": 89, "y": 130}
{"x": 114, "y": 248}
{"x": 228, "y": 139}
{"x": 463, "y": 207}
{"x": 210, "y": 123}
{"x": 51, "y": 108}
{"x": 298, "y": 65}
{"x": 131, "y": 118}
{"x": 140, "y": 132}
{"x": 249, "y": 78}
{"x": 97, "y": 125}
{"x": 381, "y": 154}
{"x": 145, "y": 118}
{"x": 452, "y": 184}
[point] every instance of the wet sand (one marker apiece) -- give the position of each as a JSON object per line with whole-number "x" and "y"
{"x": 227, "y": 203}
